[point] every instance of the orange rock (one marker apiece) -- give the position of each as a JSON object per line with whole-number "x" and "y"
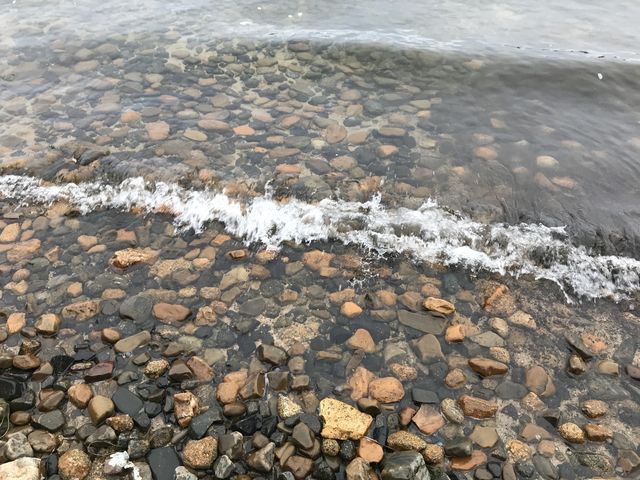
{"x": 370, "y": 450}
{"x": 201, "y": 369}
{"x": 350, "y": 309}
{"x": 316, "y": 259}
{"x": 362, "y": 340}
{"x": 384, "y": 151}
{"x": 131, "y": 256}
{"x": 169, "y": 313}
{"x": 157, "y": 130}
{"x": 16, "y": 322}
{"x": 455, "y": 333}
{"x": 465, "y": 464}
{"x": 597, "y": 433}
{"x": 185, "y": 407}
{"x": 387, "y": 297}
{"x": 227, "y": 392}
{"x": 428, "y": 419}
{"x": 130, "y": 116}
{"x": 341, "y": 296}
{"x": 487, "y": 367}
{"x": 386, "y": 390}
{"x": 485, "y": 152}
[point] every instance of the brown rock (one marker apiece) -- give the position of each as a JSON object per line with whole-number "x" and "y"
{"x": 455, "y": 378}
{"x": 465, "y": 464}
{"x": 358, "y": 469}
{"x": 120, "y": 423}
{"x": 244, "y": 131}
{"x": 170, "y": 313}
{"x": 539, "y": 382}
{"x": 201, "y": 369}
{"x": 300, "y": 467}
{"x": 185, "y": 407}
{"x": 384, "y": 151}
{"x": 428, "y": 419}
{"x": 518, "y": 451}
{"x": 87, "y": 241}
{"x": 254, "y": 387}
{"x": 362, "y": 340}
{"x": 26, "y": 362}
{"x": 129, "y": 344}
{"x": 130, "y": 116}
{"x": 342, "y": 421}
{"x": 100, "y": 408}
{"x": 10, "y": 233}
{"x": 200, "y": 454}
{"x": 438, "y": 305}
{"x": 428, "y": 348}
{"x": 487, "y": 367}
{"x": 477, "y": 407}
{"x": 131, "y": 256}
{"x": 597, "y": 433}
{"x": 370, "y": 450}
{"x": 227, "y": 392}
{"x": 74, "y": 465}
{"x": 110, "y": 335}
{"x": 335, "y": 133}
{"x": 484, "y": 437}
{"x": 386, "y": 390}
{"x": 80, "y": 394}
{"x": 594, "y": 408}
{"x": 23, "y": 250}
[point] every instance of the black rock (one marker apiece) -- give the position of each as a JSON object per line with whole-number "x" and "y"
{"x": 525, "y": 470}
{"x": 404, "y": 466}
{"x": 322, "y": 471}
{"x": 544, "y": 467}
{"x": 163, "y": 463}
{"x": 137, "y": 308}
{"x": 347, "y": 450}
{"x": 10, "y": 388}
{"x": 269, "y": 426}
{"x": 200, "y": 424}
{"x": 25, "y": 402}
{"x": 127, "y": 402}
{"x": 312, "y": 421}
{"x": 61, "y": 363}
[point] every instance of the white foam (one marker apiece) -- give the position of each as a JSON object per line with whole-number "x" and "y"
{"x": 429, "y": 233}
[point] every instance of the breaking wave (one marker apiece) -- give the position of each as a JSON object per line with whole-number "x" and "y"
{"x": 427, "y": 234}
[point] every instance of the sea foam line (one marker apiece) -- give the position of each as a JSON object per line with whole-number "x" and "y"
{"x": 427, "y": 234}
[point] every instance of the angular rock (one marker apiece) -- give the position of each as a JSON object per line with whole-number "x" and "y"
{"x": 342, "y": 421}
{"x": 404, "y": 466}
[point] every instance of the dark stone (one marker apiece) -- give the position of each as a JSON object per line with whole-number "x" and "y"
{"x": 312, "y": 421}
{"x": 163, "y": 463}
{"x": 577, "y": 345}
{"x": 421, "y": 395}
{"x": 302, "y": 436}
{"x": 458, "y": 447}
{"x": 347, "y": 450}
{"x": 25, "y": 402}
{"x": 509, "y": 390}
{"x": 200, "y": 424}
{"x": 525, "y": 470}
{"x": 253, "y": 307}
{"x": 100, "y": 371}
{"x": 553, "y": 416}
{"x": 404, "y": 466}
{"x": 544, "y": 467}
{"x": 322, "y": 471}
{"x": 127, "y": 402}
{"x": 137, "y": 308}
{"x": 50, "y": 421}
{"x": 422, "y": 322}
{"x": 270, "y": 354}
{"x": 61, "y": 363}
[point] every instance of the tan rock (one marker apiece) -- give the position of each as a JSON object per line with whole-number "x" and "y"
{"x": 335, "y": 133}
{"x": 433, "y": 454}
{"x": 428, "y": 419}
{"x": 170, "y": 313}
{"x": 455, "y": 333}
{"x": 10, "y": 233}
{"x": 384, "y": 151}
{"x": 81, "y": 311}
{"x": 403, "y": 440}
{"x": 80, "y": 394}
{"x": 16, "y": 322}
{"x": 523, "y": 319}
{"x": 594, "y": 408}
{"x": 484, "y": 437}
{"x": 359, "y": 383}
{"x": 571, "y": 432}
{"x": 48, "y": 324}
{"x": 244, "y": 131}
{"x": 485, "y": 152}
{"x": 120, "y": 423}
{"x": 539, "y": 382}
{"x": 477, "y": 407}
{"x": 99, "y": 408}
{"x": 438, "y": 305}
{"x": 287, "y": 407}
{"x": 201, "y": 369}
{"x": 130, "y": 116}
{"x": 227, "y": 392}
{"x": 185, "y": 407}
{"x": 156, "y": 368}
{"x": 157, "y": 130}
{"x": 386, "y": 390}
{"x": 342, "y": 421}
{"x": 518, "y": 451}
{"x": 23, "y": 250}
{"x": 362, "y": 340}
{"x": 74, "y": 465}
{"x": 350, "y": 309}
{"x": 87, "y": 241}
{"x": 131, "y": 256}
{"x": 200, "y": 454}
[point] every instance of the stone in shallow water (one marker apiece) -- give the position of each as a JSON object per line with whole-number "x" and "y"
{"x": 127, "y": 402}
{"x": 423, "y": 322}
{"x": 342, "y": 421}
{"x": 405, "y": 466}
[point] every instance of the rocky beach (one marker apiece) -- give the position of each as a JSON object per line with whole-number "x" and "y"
{"x": 266, "y": 258}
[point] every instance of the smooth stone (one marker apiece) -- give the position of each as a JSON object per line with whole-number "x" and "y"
{"x": 163, "y": 463}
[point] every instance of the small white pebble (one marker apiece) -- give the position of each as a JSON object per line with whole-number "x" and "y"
{"x": 600, "y": 77}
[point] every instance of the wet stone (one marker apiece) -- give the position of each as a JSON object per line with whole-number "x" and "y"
{"x": 163, "y": 463}
{"x": 404, "y": 466}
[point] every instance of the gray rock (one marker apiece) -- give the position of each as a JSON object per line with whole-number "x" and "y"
{"x": 17, "y": 447}
{"x": 26, "y": 468}
{"x": 103, "y": 434}
{"x": 137, "y": 308}
{"x": 458, "y": 447}
{"x": 422, "y": 322}
{"x": 223, "y": 468}
{"x": 405, "y": 466}
{"x": 163, "y": 463}
{"x": 50, "y": 421}
{"x": 183, "y": 474}
{"x": 488, "y": 339}
{"x": 545, "y": 467}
